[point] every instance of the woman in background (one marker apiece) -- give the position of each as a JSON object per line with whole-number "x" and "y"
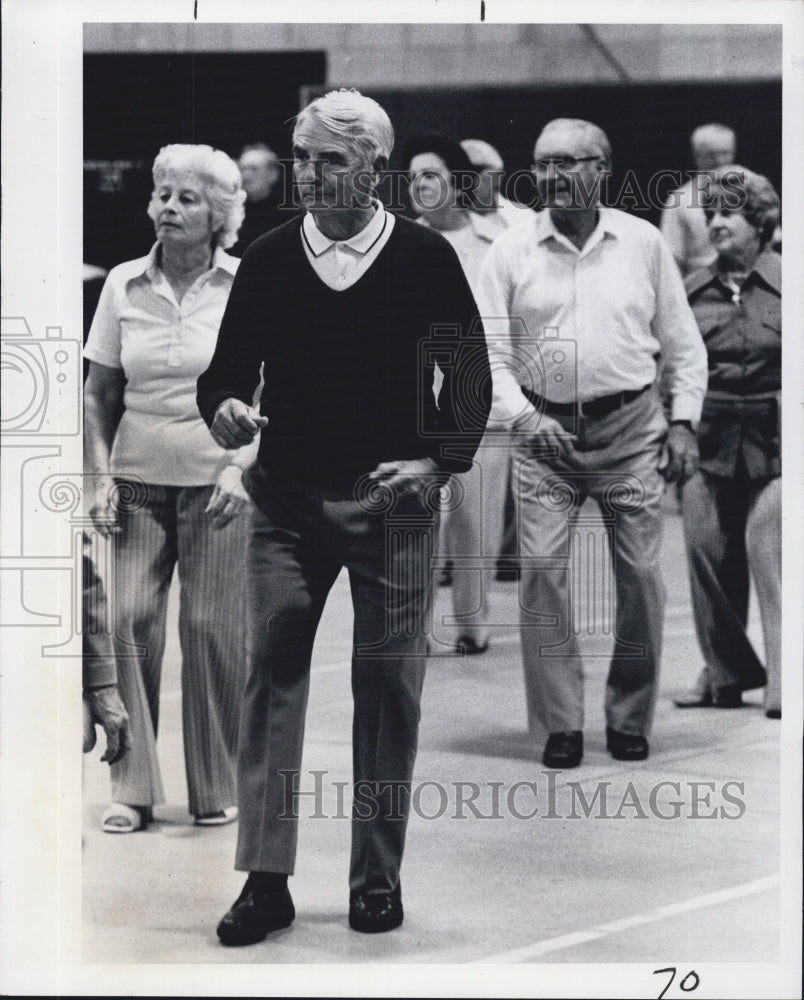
{"x": 166, "y": 492}
{"x": 442, "y": 181}
{"x": 733, "y": 504}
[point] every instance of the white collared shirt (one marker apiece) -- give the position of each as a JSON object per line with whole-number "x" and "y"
{"x": 580, "y": 324}
{"x": 340, "y": 264}
{"x": 162, "y": 346}
{"x": 505, "y": 216}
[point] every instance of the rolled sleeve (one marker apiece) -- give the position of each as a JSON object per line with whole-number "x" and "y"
{"x": 509, "y": 405}
{"x": 683, "y": 349}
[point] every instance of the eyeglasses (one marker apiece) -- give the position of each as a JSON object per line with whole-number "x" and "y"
{"x": 563, "y": 162}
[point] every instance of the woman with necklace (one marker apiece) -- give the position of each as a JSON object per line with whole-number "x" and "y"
{"x": 732, "y": 505}
{"x": 164, "y": 491}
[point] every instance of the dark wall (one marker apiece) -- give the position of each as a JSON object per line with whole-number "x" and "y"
{"x": 648, "y": 125}
{"x": 135, "y": 104}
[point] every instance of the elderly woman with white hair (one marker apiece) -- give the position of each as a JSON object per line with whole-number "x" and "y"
{"x": 166, "y": 493}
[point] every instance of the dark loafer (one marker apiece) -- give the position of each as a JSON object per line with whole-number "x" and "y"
{"x": 625, "y": 746}
{"x": 563, "y": 749}
{"x": 470, "y": 647}
{"x": 373, "y": 913}
{"x": 254, "y": 914}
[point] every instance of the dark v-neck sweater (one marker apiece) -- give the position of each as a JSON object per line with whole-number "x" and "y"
{"x": 349, "y": 374}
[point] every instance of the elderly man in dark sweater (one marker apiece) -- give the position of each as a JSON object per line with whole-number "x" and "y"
{"x": 376, "y": 387}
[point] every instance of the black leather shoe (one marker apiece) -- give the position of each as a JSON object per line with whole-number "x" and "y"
{"x": 470, "y": 647}
{"x": 254, "y": 914}
{"x": 373, "y": 913}
{"x": 773, "y": 713}
{"x": 563, "y": 749}
{"x": 625, "y": 746}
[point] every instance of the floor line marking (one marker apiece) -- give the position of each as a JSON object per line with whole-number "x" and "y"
{"x": 539, "y": 948}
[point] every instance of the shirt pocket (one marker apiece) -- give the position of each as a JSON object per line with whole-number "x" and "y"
{"x": 770, "y": 316}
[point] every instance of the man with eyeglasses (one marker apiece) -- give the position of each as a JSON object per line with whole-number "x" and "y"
{"x": 579, "y": 304}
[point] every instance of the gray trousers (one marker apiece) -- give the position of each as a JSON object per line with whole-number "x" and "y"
{"x": 616, "y": 464}
{"x": 302, "y": 537}
{"x": 733, "y": 527}
{"x": 162, "y": 526}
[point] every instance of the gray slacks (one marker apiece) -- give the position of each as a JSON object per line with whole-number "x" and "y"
{"x": 302, "y": 536}
{"x": 616, "y": 464}
{"x": 162, "y": 526}
{"x": 733, "y": 527}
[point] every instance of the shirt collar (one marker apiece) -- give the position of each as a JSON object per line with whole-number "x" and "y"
{"x": 608, "y": 224}
{"x": 220, "y": 261}
{"x": 767, "y": 267}
{"x": 487, "y": 225}
{"x": 361, "y": 243}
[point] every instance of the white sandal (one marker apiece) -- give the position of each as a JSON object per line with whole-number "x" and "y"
{"x": 120, "y": 818}
{"x": 227, "y": 815}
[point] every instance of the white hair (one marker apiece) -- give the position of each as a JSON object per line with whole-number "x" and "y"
{"x": 713, "y": 134}
{"x": 354, "y": 117}
{"x": 482, "y": 154}
{"x": 595, "y": 133}
{"x": 221, "y": 181}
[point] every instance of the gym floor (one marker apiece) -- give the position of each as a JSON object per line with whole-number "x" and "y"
{"x": 610, "y": 863}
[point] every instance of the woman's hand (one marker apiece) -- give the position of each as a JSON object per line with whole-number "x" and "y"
{"x": 228, "y": 497}
{"x": 103, "y": 510}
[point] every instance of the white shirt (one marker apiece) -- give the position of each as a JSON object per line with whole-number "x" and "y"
{"x": 340, "y": 264}
{"x": 162, "y": 346}
{"x": 471, "y": 243}
{"x": 684, "y": 227}
{"x": 506, "y": 215}
{"x": 579, "y": 324}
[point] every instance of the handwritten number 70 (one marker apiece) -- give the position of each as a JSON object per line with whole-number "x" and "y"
{"x": 691, "y": 978}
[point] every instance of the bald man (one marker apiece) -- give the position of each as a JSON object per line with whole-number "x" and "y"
{"x": 683, "y": 223}
{"x": 579, "y": 303}
{"x": 493, "y": 213}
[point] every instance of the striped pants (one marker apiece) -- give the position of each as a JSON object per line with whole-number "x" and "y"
{"x": 472, "y": 536}
{"x": 163, "y": 526}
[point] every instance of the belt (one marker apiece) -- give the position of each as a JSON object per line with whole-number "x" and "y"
{"x": 599, "y": 407}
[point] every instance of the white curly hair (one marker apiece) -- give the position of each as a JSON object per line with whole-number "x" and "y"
{"x": 222, "y": 184}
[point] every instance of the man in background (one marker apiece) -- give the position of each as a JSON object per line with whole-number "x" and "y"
{"x": 262, "y": 181}
{"x": 683, "y": 223}
{"x": 493, "y": 212}
{"x": 578, "y": 303}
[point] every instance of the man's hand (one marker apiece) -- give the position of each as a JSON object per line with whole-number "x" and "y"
{"x": 103, "y": 511}
{"x": 103, "y": 707}
{"x": 228, "y": 497}
{"x": 236, "y": 424}
{"x": 679, "y": 458}
{"x": 406, "y": 476}
{"x": 544, "y": 434}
